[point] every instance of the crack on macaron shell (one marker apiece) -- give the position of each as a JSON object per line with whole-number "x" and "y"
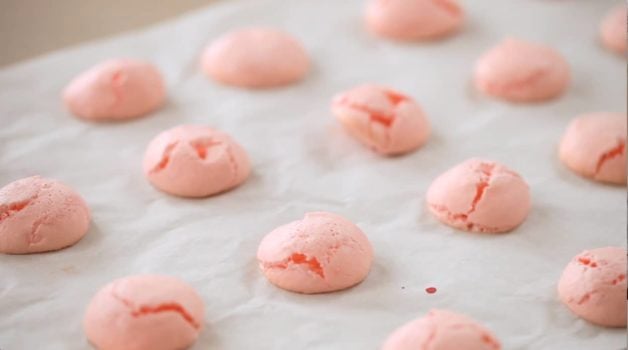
{"x": 311, "y": 263}
{"x": 448, "y": 6}
{"x": 118, "y": 79}
{"x": 33, "y": 237}
{"x": 618, "y": 150}
{"x": 165, "y": 157}
{"x": 147, "y": 310}
{"x": 202, "y": 145}
{"x": 382, "y": 121}
{"x": 471, "y": 226}
{"x": 7, "y": 211}
{"x": 485, "y": 171}
{"x": 620, "y": 278}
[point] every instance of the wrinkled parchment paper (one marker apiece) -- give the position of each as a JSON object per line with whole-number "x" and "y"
{"x": 302, "y": 162}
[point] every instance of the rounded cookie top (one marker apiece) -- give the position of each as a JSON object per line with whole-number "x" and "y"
{"x": 144, "y": 312}
{"x": 115, "y": 90}
{"x": 442, "y": 330}
{"x": 481, "y": 196}
{"x": 195, "y": 161}
{"x": 594, "y": 146}
{"x": 39, "y": 215}
{"x": 413, "y": 19}
{"x": 593, "y": 286}
{"x": 255, "y": 58}
{"x": 383, "y": 119}
{"x": 323, "y": 252}
{"x": 520, "y": 71}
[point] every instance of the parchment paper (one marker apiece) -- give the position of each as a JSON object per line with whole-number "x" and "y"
{"x": 303, "y": 161}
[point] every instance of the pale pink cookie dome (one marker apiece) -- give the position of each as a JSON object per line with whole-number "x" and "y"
{"x": 442, "y": 330}
{"x": 115, "y": 90}
{"x": 520, "y": 71}
{"x": 144, "y": 312}
{"x": 323, "y": 252}
{"x": 255, "y": 58}
{"x": 481, "y": 196}
{"x": 594, "y": 146}
{"x": 40, "y": 215}
{"x": 195, "y": 161}
{"x": 593, "y": 286}
{"x": 413, "y": 19}
{"x": 613, "y": 30}
{"x": 386, "y": 121}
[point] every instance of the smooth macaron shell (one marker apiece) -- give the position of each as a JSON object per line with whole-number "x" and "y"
{"x": 40, "y": 215}
{"x": 594, "y": 146}
{"x": 593, "y": 286}
{"x": 613, "y": 30}
{"x": 195, "y": 161}
{"x": 255, "y": 58}
{"x": 144, "y": 312}
{"x": 412, "y": 20}
{"x": 442, "y": 330}
{"x": 480, "y": 196}
{"x": 520, "y": 71}
{"x": 323, "y": 252}
{"x": 386, "y": 121}
{"x": 115, "y": 90}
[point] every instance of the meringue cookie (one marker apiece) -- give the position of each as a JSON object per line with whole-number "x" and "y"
{"x": 115, "y": 90}
{"x": 384, "y": 120}
{"x": 323, "y": 252}
{"x": 40, "y": 215}
{"x": 144, "y": 312}
{"x": 256, "y": 58}
{"x": 481, "y": 196}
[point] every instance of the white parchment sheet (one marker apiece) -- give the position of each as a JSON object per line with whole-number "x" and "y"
{"x": 303, "y": 161}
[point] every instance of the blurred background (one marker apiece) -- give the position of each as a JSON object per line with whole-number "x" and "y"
{"x": 29, "y": 28}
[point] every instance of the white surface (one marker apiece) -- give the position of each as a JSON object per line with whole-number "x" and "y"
{"x": 302, "y": 162}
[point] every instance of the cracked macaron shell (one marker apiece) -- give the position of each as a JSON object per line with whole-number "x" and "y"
{"x": 116, "y": 89}
{"x": 195, "y": 161}
{"x": 40, "y": 215}
{"x": 386, "y": 121}
{"x": 413, "y": 19}
{"x": 593, "y": 286}
{"x": 255, "y": 58}
{"x": 442, "y": 330}
{"x": 613, "y": 30}
{"x": 323, "y": 252}
{"x": 594, "y": 146}
{"x": 480, "y": 196}
{"x": 520, "y": 71}
{"x": 144, "y": 312}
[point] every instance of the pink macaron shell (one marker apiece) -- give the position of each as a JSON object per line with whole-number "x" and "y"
{"x": 413, "y": 19}
{"x": 195, "y": 161}
{"x": 594, "y": 146}
{"x": 593, "y": 286}
{"x": 479, "y": 196}
{"x": 144, "y": 312}
{"x": 519, "y": 71}
{"x": 255, "y": 58}
{"x": 613, "y": 30}
{"x": 442, "y": 330}
{"x": 40, "y": 215}
{"x": 323, "y": 252}
{"x": 115, "y": 90}
{"x": 384, "y": 120}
